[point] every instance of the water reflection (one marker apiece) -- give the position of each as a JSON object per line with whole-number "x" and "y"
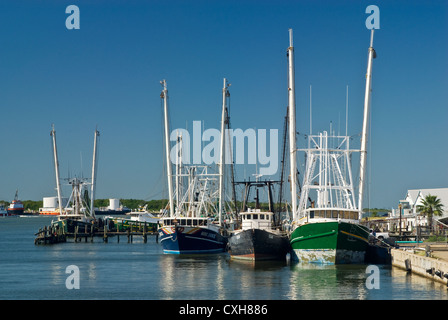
{"x": 258, "y": 279}
{"x": 316, "y": 282}
{"x": 217, "y": 277}
{"x": 249, "y": 265}
{"x": 404, "y": 284}
{"x": 192, "y": 276}
{"x": 140, "y": 271}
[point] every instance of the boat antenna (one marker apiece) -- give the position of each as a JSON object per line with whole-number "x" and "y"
{"x": 311, "y": 110}
{"x": 346, "y": 112}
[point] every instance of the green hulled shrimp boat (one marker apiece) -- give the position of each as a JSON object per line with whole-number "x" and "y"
{"x": 326, "y": 222}
{"x": 329, "y": 242}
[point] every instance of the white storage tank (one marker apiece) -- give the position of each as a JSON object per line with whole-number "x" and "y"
{"x": 114, "y": 204}
{"x": 52, "y": 202}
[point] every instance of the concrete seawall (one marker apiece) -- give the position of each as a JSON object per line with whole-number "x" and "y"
{"x": 435, "y": 269}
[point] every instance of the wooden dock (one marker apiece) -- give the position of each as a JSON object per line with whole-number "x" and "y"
{"x": 51, "y": 235}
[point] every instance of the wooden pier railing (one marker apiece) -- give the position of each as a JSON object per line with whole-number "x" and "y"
{"x": 52, "y": 235}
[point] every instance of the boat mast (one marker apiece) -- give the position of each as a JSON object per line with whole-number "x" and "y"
{"x": 178, "y": 169}
{"x": 292, "y": 127}
{"x": 221, "y": 160}
{"x": 94, "y": 166}
{"x": 164, "y": 96}
{"x": 56, "y": 168}
{"x": 282, "y": 172}
{"x": 367, "y": 98}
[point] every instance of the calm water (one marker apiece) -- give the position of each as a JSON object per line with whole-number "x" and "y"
{"x": 141, "y": 271}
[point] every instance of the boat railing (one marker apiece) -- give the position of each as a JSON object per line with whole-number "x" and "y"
{"x": 331, "y": 213}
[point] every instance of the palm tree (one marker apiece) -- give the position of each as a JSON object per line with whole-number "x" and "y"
{"x": 431, "y": 205}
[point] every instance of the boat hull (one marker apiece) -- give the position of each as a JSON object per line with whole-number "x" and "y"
{"x": 49, "y": 213}
{"x": 73, "y": 225}
{"x": 191, "y": 240}
{"x": 15, "y": 211}
{"x": 128, "y": 224}
{"x": 257, "y": 244}
{"x": 111, "y": 212}
{"x": 333, "y": 242}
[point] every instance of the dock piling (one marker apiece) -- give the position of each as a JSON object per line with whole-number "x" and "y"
{"x": 145, "y": 239}
{"x": 105, "y": 234}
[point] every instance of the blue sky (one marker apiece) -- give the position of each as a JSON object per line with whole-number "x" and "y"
{"x": 107, "y": 74}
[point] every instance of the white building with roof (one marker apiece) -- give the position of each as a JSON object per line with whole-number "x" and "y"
{"x": 410, "y": 216}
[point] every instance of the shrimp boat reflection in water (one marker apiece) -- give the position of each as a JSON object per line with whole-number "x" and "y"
{"x": 79, "y": 211}
{"x": 193, "y": 223}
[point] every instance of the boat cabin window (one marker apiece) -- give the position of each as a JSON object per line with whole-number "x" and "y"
{"x": 256, "y": 216}
{"x": 188, "y": 222}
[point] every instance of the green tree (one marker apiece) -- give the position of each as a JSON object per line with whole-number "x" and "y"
{"x": 431, "y": 206}
{"x": 101, "y": 203}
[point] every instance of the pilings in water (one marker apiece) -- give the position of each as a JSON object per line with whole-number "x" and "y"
{"x": 52, "y": 235}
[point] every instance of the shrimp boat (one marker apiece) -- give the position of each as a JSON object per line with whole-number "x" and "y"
{"x": 193, "y": 221}
{"x": 261, "y": 236}
{"x": 79, "y": 211}
{"x": 328, "y": 230}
